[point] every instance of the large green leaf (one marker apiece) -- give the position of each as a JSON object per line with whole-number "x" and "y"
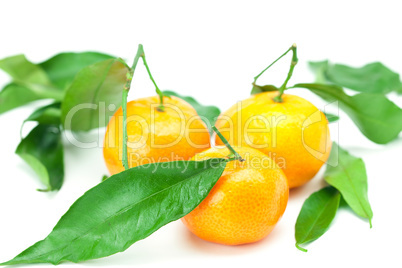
{"x": 371, "y": 78}
{"x": 350, "y": 178}
{"x": 378, "y": 118}
{"x": 316, "y": 215}
{"x": 42, "y": 149}
{"x": 93, "y": 92}
{"x": 63, "y": 67}
{"x": 125, "y": 208}
{"x": 208, "y": 114}
{"x": 25, "y": 73}
{"x": 14, "y": 95}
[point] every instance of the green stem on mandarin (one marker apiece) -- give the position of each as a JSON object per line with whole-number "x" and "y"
{"x": 124, "y": 108}
{"x": 126, "y": 89}
{"x": 263, "y": 71}
{"x": 140, "y": 52}
{"x": 130, "y": 74}
{"x": 290, "y": 73}
{"x": 233, "y": 154}
{"x": 161, "y": 108}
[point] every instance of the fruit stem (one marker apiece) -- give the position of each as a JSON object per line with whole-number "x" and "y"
{"x": 292, "y": 66}
{"x": 234, "y": 155}
{"x": 126, "y": 89}
{"x": 130, "y": 74}
{"x": 161, "y": 108}
{"x": 263, "y": 71}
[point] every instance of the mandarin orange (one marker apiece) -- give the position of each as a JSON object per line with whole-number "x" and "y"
{"x": 246, "y": 202}
{"x": 294, "y": 133}
{"x": 177, "y": 133}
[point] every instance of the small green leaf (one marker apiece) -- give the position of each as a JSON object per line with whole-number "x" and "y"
{"x": 25, "y": 73}
{"x": 125, "y": 208}
{"x": 379, "y": 119}
{"x": 259, "y": 89}
{"x": 316, "y": 215}
{"x": 104, "y": 177}
{"x": 331, "y": 117}
{"x": 371, "y": 78}
{"x": 13, "y": 96}
{"x": 350, "y": 178}
{"x": 63, "y": 67}
{"x": 42, "y": 150}
{"x": 94, "y": 96}
{"x": 208, "y": 114}
{"x": 48, "y": 115}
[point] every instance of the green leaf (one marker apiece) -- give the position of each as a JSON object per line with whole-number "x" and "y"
{"x": 13, "y": 96}
{"x": 125, "y": 208}
{"x": 371, "y": 78}
{"x": 63, "y": 67}
{"x": 20, "y": 69}
{"x": 316, "y": 215}
{"x": 42, "y": 150}
{"x": 95, "y": 90}
{"x": 331, "y": 117}
{"x": 48, "y": 115}
{"x": 208, "y": 114}
{"x": 259, "y": 89}
{"x": 25, "y": 73}
{"x": 350, "y": 178}
{"x": 379, "y": 119}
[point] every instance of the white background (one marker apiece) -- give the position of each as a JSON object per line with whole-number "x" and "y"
{"x": 210, "y": 50}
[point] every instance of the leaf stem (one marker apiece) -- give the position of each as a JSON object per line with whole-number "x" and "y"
{"x": 300, "y": 248}
{"x": 233, "y": 154}
{"x": 290, "y": 73}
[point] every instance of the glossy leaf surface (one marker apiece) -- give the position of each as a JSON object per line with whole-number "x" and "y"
{"x": 49, "y": 114}
{"x": 26, "y": 74}
{"x": 13, "y": 96}
{"x": 350, "y": 178}
{"x": 316, "y": 215}
{"x": 42, "y": 150}
{"x": 371, "y": 78}
{"x": 378, "y": 118}
{"x": 94, "y": 96}
{"x": 62, "y": 68}
{"x": 125, "y": 208}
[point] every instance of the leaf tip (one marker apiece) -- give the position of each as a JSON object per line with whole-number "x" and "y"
{"x": 300, "y": 248}
{"x": 371, "y": 225}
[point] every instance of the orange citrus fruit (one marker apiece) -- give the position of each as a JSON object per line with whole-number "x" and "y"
{"x": 177, "y": 133}
{"x": 246, "y": 202}
{"x": 294, "y": 133}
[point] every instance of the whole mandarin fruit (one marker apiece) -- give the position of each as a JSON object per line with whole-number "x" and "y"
{"x": 245, "y": 204}
{"x": 177, "y": 133}
{"x": 294, "y": 132}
